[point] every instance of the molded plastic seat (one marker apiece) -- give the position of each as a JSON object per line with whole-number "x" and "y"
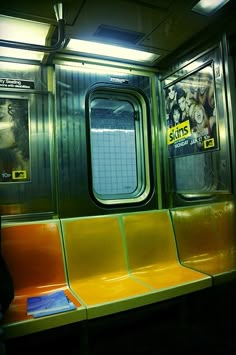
{"x": 206, "y": 238}
{"x": 97, "y": 266}
{"x": 153, "y": 257}
{"x": 33, "y": 253}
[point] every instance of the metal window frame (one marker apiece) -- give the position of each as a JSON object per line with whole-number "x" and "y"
{"x": 137, "y": 100}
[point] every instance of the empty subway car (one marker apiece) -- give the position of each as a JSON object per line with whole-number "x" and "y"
{"x": 117, "y": 177}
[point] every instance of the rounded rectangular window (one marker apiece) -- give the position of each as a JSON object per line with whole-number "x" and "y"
{"x": 119, "y": 160}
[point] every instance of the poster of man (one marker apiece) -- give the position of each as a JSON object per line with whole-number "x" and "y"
{"x": 14, "y": 140}
{"x": 191, "y": 114}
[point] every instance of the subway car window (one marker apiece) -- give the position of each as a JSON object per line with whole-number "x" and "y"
{"x": 118, "y": 147}
{"x": 200, "y": 173}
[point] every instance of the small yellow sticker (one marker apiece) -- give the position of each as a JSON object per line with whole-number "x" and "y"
{"x": 209, "y": 143}
{"x": 19, "y": 174}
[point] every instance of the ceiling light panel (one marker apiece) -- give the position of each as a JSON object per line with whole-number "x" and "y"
{"x": 209, "y": 7}
{"x": 20, "y": 54}
{"x": 111, "y": 51}
{"x": 19, "y": 30}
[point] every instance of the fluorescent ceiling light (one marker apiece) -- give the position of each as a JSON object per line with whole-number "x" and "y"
{"x": 208, "y": 7}
{"x": 20, "y": 54}
{"x": 17, "y": 67}
{"x": 111, "y": 51}
{"x": 19, "y": 30}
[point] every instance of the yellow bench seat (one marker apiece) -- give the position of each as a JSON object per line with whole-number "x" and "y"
{"x": 206, "y": 239}
{"x": 125, "y": 261}
{"x": 153, "y": 256}
{"x": 33, "y": 253}
{"x": 97, "y": 268}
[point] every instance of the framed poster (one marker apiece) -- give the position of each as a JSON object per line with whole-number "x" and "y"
{"x": 191, "y": 114}
{"x": 14, "y": 140}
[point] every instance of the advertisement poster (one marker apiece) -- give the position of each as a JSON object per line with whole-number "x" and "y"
{"x": 191, "y": 114}
{"x": 14, "y": 140}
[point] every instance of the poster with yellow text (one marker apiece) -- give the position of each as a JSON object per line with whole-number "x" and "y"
{"x": 191, "y": 114}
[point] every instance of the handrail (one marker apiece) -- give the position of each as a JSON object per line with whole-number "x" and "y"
{"x": 40, "y": 48}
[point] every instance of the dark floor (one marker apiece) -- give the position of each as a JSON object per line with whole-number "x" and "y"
{"x": 200, "y": 323}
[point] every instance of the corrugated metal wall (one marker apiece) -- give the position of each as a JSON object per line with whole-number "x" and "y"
{"x": 58, "y": 182}
{"x": 71, "y": 89}
{"x": 35, "y": 195}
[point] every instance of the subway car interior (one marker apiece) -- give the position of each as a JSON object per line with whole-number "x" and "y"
{"x": 118, "y": 177}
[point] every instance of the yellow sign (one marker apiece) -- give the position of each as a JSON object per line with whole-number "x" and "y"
{"x": 19, "y": 174}
{"x": 178, "y": 132}
{"x": 209, "y": 143}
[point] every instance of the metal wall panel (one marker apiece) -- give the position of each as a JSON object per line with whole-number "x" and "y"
{"x": 72, "y": 86}
{"x": 27, "y": 199}
{"x": 212, "y": 180}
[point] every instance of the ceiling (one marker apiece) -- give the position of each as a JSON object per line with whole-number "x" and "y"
{"x": 159, "y": 26}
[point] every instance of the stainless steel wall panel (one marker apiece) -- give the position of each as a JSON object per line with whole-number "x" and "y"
{"x": 72, "y": 86}
{"x": 35, "y": 195}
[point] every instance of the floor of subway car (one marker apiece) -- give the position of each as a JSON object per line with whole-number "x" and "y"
{"x": 202, "y": 322}
{"x": 191, "y": 326}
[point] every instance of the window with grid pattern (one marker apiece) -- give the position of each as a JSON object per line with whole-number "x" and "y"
{"x": 117, "y": 146}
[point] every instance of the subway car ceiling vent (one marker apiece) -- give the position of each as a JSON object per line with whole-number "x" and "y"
{"x": 114, "y": 34}
{"x": 107, "y": 50}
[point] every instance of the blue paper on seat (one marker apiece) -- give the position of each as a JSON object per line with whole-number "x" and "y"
{"x": 52, "y": 303}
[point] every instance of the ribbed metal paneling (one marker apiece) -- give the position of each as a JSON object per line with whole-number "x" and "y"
{"x": 27, "y": 199}
{"x": 72, "y": 145}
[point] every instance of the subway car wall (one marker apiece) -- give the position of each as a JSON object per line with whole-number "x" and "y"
{"x": 105, "y": 141}
{"x": 26, "y": 179}
{"x": 86, "y": 148}
{"x": 200, "y": 164}
{"x": 97, "y": 140}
